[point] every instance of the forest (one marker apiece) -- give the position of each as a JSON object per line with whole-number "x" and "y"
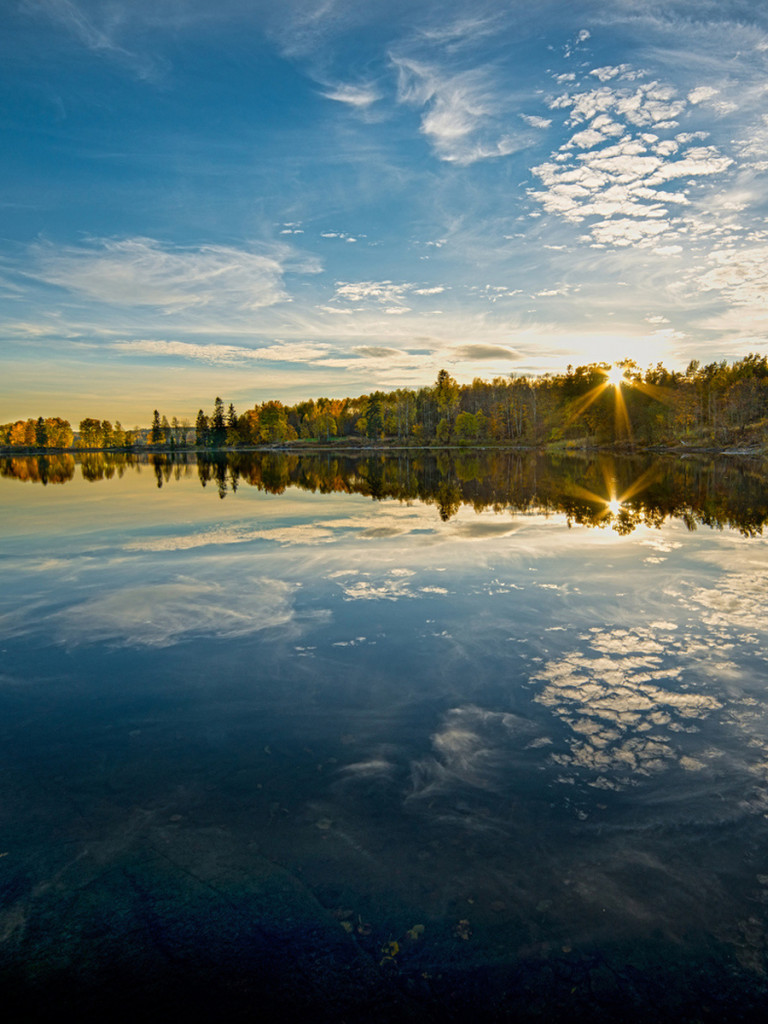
{"x": 717, "y": 404}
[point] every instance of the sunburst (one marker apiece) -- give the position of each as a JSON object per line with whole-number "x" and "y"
{"x": 615, "y": 377}
{"x": 611, "y": 503}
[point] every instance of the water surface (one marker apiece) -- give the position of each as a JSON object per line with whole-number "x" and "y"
{"x": 401, "y": 738}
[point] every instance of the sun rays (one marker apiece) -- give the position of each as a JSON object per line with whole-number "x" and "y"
{"x": 615, "y": 378}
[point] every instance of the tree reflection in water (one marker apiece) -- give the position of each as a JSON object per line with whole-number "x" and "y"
{"x": 596, "y": 490}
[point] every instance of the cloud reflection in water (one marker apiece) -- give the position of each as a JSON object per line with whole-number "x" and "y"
{"x": 166, "y": 613}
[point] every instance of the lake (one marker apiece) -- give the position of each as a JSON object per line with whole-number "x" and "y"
{"x": 402, "y": 737}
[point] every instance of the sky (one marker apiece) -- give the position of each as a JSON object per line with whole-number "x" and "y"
{"x": 322, "y": 197}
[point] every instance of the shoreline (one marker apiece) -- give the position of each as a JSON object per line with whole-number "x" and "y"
{"x": 680, "y": 448}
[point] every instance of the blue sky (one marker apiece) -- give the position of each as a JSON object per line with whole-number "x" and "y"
{"x": 321, "y": 197}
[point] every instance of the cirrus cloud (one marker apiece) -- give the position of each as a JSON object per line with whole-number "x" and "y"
{"x": 216, "y": 354}
{"x": 145, "y": 272}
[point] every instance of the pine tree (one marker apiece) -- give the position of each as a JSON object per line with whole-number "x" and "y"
{"x": 218, "y": 429}
{"x": 202, "y": 429}
{"x": 156, "y": 433}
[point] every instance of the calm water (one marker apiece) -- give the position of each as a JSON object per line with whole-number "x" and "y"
{"x": 384, "y": 739}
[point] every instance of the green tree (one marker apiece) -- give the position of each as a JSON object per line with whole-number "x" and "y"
{"x": 372, "y": 416}
{"x": 202, "y": 430}
{"x": 41, "y": 433}
{"x": 467, "y": 426}
{"x": 233, "y": 433}
{"x": 443, "y": 431}
{"x": 325, "y": 421}
{"x": 157, "y": 431}
{"x": 218, "y": 426}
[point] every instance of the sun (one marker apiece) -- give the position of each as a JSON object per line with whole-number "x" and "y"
{"x": 615, "y": 376}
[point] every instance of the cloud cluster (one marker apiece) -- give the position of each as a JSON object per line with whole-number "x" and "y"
{"x": 623, "y": 705}
{"x": 392, "y": 586}
{"x": 622, "y": 157}
{"x": 391, "y": 296}
{"x": 639, "y": 700}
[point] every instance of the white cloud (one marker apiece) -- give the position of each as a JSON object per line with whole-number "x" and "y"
{"x": 338, "y": 310}
{"x": 145, "y": 272}
{"x": 624, "y": 71}
{"x": 216, "y": 354}
{"x": 738, "y": 274}
{"x": 379, "y": 291}
{"x": 388, "y": 297}
{"x": 462, "y": 112}
{"x": 535, "y": 121}
{"x": 702, "y": 93}
{"x": 358, "y": 96}
{"x": 650, "y": 103}
{"x": 547, "y": 293}
{"x": 581, "y": 37}
{"x": 621, "y": 233}
{"x": 462, "y": 30}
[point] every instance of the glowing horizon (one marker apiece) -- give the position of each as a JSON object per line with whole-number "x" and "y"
{"x": 367, "y": 196}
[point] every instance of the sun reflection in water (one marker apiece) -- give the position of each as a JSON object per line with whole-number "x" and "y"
{"x": 615, "y": 506}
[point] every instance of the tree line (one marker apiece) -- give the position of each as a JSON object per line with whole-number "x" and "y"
{"x": 597, "y": 403}
{"x": 718, "y": 402}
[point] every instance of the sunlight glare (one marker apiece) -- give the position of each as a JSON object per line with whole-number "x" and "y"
{"x": 615, "y": 376}
{"x": 614, "y": 506}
